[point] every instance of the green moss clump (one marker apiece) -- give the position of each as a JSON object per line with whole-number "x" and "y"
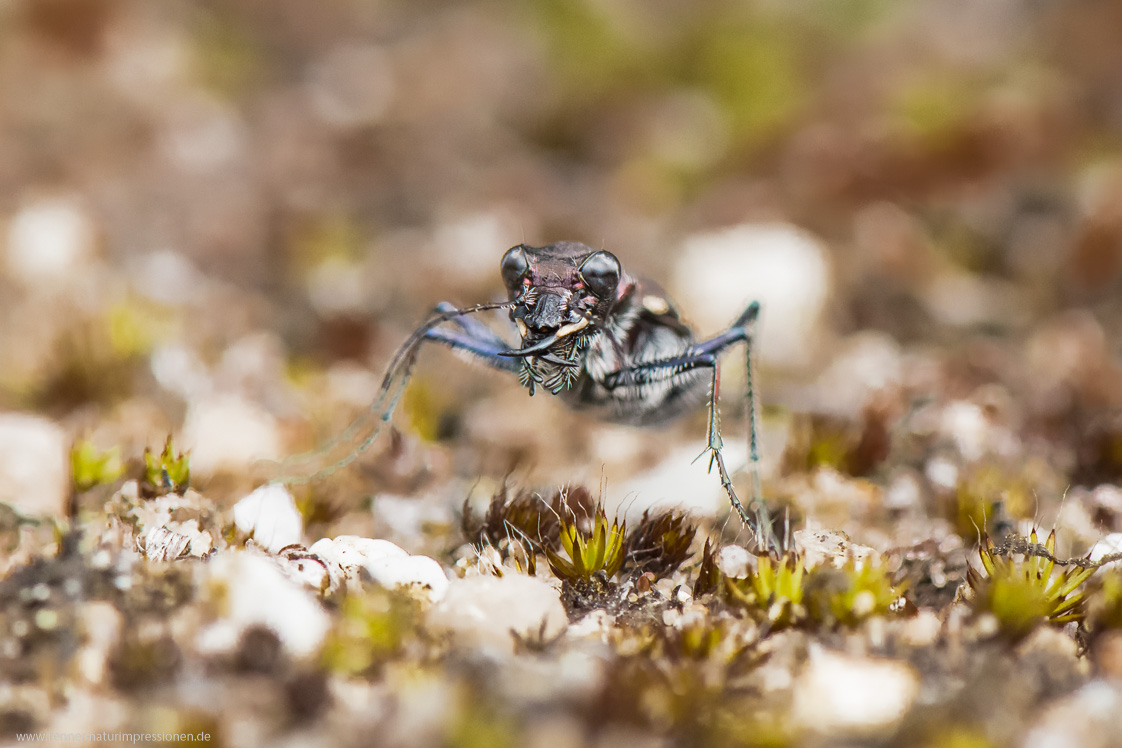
{"x": 90, "y": 467}
{"x": 372, "y": 628}
{"x": 987, "y": 495}
{"x": 481, "y": 723}
{"x": 934, "y": 109}
{"x": 599, "y": 551}
{"x": 753, "y": 68}
{"x": 166, "y": 472}
{"x": 775, "y": 593}
{"x": 783, "y": 593}
{"x": 851, "y": 595}
{"x": 1025, "y": 590}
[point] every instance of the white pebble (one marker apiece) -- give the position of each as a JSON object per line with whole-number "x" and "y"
{"x": 162, "y": 544}
{"x": 353, "y": 552}
{"x": 181, "y": 371}
{"x": 779, "y": 265}
{"x": 270, "y": 515}
{"x": 869, "y": 361}
{"x": 405, "y": 518}
{"x": 228, "y": 433}
{"x": 419, "y": 573}
{"x": 481, "y": 612}
{"x": 830, "y": 546}
{"x": 1088, "y": 718}
{"x": 257, "y": 592}
{"x": 171, "y": 540}
{"x": 166, "y": 276}
{"x": 1112, "y": 543}
{"x": 735, "y": 561}
{"x": 309, "y": 570}
{"x": 203, "y": 135}
{"x": 678, "y": 481}
{"x": 465, "y": 245}
{"x": 47, "y": 240}
{"x": 942, "y": 473}
{"x": 968, "y": 426}
{"x": 852, "y": 695}
{"x": 101, "y": 622}
{"x": 34, "y": 475}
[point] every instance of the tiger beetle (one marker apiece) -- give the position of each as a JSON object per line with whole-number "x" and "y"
{"x": 603, "y": 341}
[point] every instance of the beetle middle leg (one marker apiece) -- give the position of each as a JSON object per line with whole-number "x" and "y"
{"x": 705, "y": 355}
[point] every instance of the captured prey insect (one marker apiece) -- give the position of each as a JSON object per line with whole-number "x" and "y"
{"x": 603, "y": 341}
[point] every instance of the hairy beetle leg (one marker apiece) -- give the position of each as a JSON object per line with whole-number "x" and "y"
{"x": 705, "y": 355}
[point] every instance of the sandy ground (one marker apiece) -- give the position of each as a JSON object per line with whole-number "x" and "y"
{"x": 219, "y": 221}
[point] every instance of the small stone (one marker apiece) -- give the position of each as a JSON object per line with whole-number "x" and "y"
{"x": 975, "y": 433}
{"x": 735, "y": 562}
{"x": 309, "y": 569}
{"x": 1089, "y": 718}
{"x": 165, "y": 276}
{"x": 270, "y": 515}
{"x": 34, "y": 475}
{"x": 405, "y": 517}
{"x": 942, "y": 473}
{"x": 678, "y": 481}
{"x": 922, "y": 630}
{"x": 48, "y": 239}
{"x": 46, "y": 620}
{"x": 1108, "y": 546}
{"x": 351, "y": 552}
{"x": 833, "y": 497}
{"x": 830, "y": 546}
{"x": 598, "y": 626}
{"x": 101, "y": 622}
{"x": 1107, "y": 497}
{"x": 228, "y": 433}
{"x": 784, "y": 268}
{"x": 904, "y": 492}
{"x": 868, "y": 362}
{"x": 420, "y": 574}
{"x": 465, "y": 245}
{"x": 256, "y": 592}
{"x": 162, "y": 544}
{"x": 485, "y": 612}
{"x": 1107, "y": 653}
{"x": 852, "y": 695}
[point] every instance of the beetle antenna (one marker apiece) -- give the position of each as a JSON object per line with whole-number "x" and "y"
{"x": 380, "y": 411}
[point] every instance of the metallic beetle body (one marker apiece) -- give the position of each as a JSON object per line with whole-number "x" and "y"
{"x": 636, "y": 325}
{"x": 597, "y": 337}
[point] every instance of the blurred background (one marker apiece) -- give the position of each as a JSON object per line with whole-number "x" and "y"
{"x": 219, "y": 218}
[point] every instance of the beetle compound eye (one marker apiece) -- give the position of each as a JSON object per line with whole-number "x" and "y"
{"x": 600, "y": 272}
{"x": 514, "y": 266}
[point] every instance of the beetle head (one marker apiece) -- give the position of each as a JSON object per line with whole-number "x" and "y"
{"x": 561, "y": 291}
{"x": 563, "y": 295}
